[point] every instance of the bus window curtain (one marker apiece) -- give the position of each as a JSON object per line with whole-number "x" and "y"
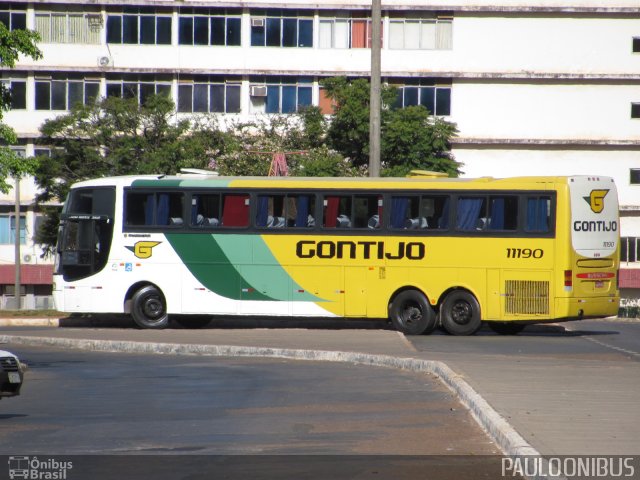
{"x": 497, "y": 214}
{"x": 263, "y": 211}
{"x": 149, "y": 205}
{"x": 331, "y": 212}
{"x": 468, "y": 213}
{"x": 162, "y": 215}
{"x": 302, "y": 211}
{"x": 236, "y": 211}
{"x": 537, "y": 215}
{"x": 443, "y": 221}
{"x": 399, "y": 207}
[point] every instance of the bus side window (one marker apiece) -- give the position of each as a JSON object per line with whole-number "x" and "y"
{"x": 538, "y": 214}
{"x": 337, "y": 212}
{"x": 503, "y": 213}
{"x": 139, "y": 208}
{"x": 402, "y": 210}
{"x": 367, "y": 211}
{"x": 235, "y": 210}
{"x": 205, "y": 210}
{"x": 471, "y": 214}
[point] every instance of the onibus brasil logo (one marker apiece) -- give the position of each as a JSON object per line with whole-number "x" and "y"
{"x": 37, "y": 468}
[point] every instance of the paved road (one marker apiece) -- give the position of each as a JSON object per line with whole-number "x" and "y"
{"x": 334, "y": 416}
{"x": 569, "y": 389}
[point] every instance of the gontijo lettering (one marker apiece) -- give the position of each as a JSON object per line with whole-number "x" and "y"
{"x": 362, "y": 249}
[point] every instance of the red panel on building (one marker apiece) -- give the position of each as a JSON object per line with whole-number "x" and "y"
{"x": 29, "y": 274}
{"x": 630, "y": 278}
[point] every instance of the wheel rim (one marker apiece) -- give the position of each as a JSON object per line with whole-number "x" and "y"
{"x": 411, "y": 314}
{"x": 152, "y": 307}
{"x": 462, "y": 312}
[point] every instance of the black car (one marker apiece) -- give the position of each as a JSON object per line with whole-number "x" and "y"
{"x": 11, "y": 374}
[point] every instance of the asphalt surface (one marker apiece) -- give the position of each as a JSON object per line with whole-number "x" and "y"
{"x": 569, "y": 389}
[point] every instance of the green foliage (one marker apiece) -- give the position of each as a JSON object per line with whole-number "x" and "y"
{"x": 12, "y": 45}
{"x": 120, "y": 137}
{"x": 414, "y": 140}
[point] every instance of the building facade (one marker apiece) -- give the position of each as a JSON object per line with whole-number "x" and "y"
{"x": 536, "y": 87}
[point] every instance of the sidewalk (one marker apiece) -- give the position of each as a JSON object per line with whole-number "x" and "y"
{"x": 578, "y": 407}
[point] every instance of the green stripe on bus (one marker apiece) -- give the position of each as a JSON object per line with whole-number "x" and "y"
{"x": 226, "y": 265}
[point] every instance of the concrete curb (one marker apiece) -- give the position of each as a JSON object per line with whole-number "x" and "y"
{"x": 508, "y": 440}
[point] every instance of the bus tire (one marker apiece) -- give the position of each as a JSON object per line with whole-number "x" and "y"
{"x": 411, "y": 314}
{"x": 506, "y": 328}
{"x": 460, "y": 313}
{"x": 149, "y": 309}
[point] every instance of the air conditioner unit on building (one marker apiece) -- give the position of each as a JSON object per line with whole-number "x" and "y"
{"x": 105, "y": 61}
{"x": 257, "y": 22}
{"x": 258, "y": 91}
{"x": 27, "y": 258}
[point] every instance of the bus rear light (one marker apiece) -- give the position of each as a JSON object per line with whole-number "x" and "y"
{"x": 568, "y": 278}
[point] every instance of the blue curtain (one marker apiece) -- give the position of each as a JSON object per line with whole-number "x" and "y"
{"x": 302, "y": 214}
{"x": 148, "y": 209}
{"x": 443, "y": 221}
{"x": 497, "y": 214}
{"x": 468, "y": 213}
{"x": 399, "y": 207}
{"x": 263, "y": 211}
{"x": 162, "y": 215}
{"x": 537, "y": 215}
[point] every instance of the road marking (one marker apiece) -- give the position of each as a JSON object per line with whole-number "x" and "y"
{"x": 604, "y": 344}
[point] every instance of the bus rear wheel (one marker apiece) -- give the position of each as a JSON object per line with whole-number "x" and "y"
{"x": 460, "y": 313}
{"x": 411, "y": 313}
{"x": 149, "y": 308}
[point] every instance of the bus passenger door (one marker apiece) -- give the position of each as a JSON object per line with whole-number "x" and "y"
{"x": 494, "y": 298}
{"x": 355, "y": 291}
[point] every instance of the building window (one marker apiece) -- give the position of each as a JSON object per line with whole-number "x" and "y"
{"x": 629, "y": 249}
{"x": 13, "y": 19}
{"x": 139, "y": 26}
{"x": 18, "y": 91}
{"x": 420, "y": 33}
{"x": 69, "y": 27}
{"x": 8, "y": 229}
{"x": 434, "y": 96}
{"x": 280, "y": 94}
{"x": 140, "y": 87}
{"x": 635, "y": 44}
{"x": 209, "y": 27}
{"x": 634, "y": 176}
{"x": 209, "y": 94}
{"x": 62, "y": 93}
{"x": 635, "y": 110}
{"x": 287, "y": 28}
{"x": 341, "y": 32}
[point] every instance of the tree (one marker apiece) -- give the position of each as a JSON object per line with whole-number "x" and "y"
{"x": 12, "y": 45}
{"x": 410, "y": 137}
{"x": 118, "y": 136}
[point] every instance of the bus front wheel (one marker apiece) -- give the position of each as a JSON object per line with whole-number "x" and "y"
{"x": 149, "y": 309}
{"x": 411, "y": 313}
{"x": 460, "y": 313}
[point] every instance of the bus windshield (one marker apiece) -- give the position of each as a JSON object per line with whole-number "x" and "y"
{"x": 86, "y": 229}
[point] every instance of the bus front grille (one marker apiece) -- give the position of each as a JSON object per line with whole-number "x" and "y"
{"x": 526, "y": 297}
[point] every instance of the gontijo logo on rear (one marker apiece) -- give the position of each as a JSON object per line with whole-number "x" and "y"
{"x": 594, "y": 216}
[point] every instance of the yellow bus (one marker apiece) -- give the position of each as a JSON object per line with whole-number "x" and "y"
{"x": 422, "y": 251}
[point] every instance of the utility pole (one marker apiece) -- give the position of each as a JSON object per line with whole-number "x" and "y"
{"x": 16, "y": 244}
{"x": 374, "y": 102}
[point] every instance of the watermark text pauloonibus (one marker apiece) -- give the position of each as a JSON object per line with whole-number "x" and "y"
{"x": 567, "y": 467}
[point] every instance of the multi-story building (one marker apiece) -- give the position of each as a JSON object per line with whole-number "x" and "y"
{"x": 535, "y": 87}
